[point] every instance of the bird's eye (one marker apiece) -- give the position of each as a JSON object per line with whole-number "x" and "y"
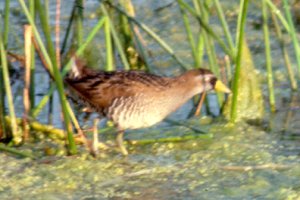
{"x": 213, "y": 81}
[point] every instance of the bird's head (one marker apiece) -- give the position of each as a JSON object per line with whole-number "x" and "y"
{"x": 205, "y": 81}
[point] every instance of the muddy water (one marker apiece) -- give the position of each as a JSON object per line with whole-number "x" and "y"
{"x": 233, "y": 162}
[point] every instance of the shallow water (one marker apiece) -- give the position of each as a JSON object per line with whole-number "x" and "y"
{"x": 241, "y": 162}
{"x": 238, "y": 162}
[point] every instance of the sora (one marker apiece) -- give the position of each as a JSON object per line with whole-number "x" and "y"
{"x": 136, "y": 99}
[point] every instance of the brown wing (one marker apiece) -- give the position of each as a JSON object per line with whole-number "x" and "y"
{"x": 100, "y": 89}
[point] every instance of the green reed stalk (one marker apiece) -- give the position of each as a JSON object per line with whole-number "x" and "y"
{"x": 14, "y": 127}
{"x": 140, "y": 46}
{"x": 88, "y": 40}
{"x": 228, "y": 67}
{"x": 190, "y": 36}
{"x": 200, "y": 48}
{"x": 209, "y": 43}
{"x": 67, "y": 67}
{"x": 134, "y": 42}
{"x": 37, "y": 35}
{"x": 38, "y": 108}
{"x": 108, "y": 45}
{"x": 268, "y": 57}
{"x": 235, "y": 86}
{"x": 57, "y": 34}
{"x": 238, "y": 28}
{"x": 58, "y": 79}
{"x": 32, "y": 66}
{"x": 124, "y": 28}
{"x": 285, "y": 53}
{"x": 46, "y": 29}
{"x": 59, "y": 82}
{"x": 224, "y": 25}
{"x": 200, "y": 43}
{"x": 152, "y": 34}
{"x": 70, "y": 111}
{"x": 293, "y": 32}
{"x": 278, "y": 13}
{"x": 44, "y": 17}
{"x": 16, "y": 152}
{"x": 2, "y": 89}
{"x": 6, "y": 22}
{"x": 116, "y": 39}
{"x": 66, "y": 37}
{"x": 210, "y": 47}
{"x": 3, "y": 131}
{"x": 207, "y": 28}
{"x": 79, "y": 21}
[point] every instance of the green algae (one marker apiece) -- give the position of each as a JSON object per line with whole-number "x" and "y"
{"x": 191, "y": 169}
{"x": 250, "y": 99}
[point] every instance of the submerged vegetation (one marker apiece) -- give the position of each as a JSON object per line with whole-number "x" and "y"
{"x": 124, "y": 42}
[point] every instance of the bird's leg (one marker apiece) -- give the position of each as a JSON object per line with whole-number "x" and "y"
{"x": 95, "y": 142}
{"x": 120, "y": 142}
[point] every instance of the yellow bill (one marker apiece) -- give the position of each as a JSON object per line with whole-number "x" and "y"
{"x": 220, "y": 87}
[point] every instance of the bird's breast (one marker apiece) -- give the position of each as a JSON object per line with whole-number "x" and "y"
{"x": 142, "y": 110}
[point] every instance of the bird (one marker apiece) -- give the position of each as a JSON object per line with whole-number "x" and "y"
{"x": 136, "y": 99}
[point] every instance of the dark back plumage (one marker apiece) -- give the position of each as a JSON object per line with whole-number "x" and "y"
{"x": 99, "y": 88}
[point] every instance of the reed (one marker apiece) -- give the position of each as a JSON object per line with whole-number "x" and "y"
{"x": 108, "y": 45}
{"x": 268, "y": 57}
{"x": 43, "y": 14}
{"x": 293, "y": 32}
{"x": 6, "y": 22}
{"x": 153, "y": 35}
{"x": 224, "y": 24}
{"x": 6, "y": 82}
{"x": 133, "y": 42}
{"x": 116, "y": 39}
{"x": 79, "y": 22}
{"x": 200, "y": 44}
{"x": 190, "y": 37}
{"x": 239, "y": 47}
{"x": 278, "y": 13}
{"x": 3, "y": 130}
{"x": 210, "y": 47}
{"x": 32, "y": 64}
{"x": 44, "y": 18}
{"x": 208, "y": 29}
{"x": 285, "y": 53}
{"x": 67, "y": 67}
{"x": 57, "y": 34}
{"x": 16, "y": 152}
{"x": 58, "y": 79}
{"x": 67, "y": 34}
{"x": 27, "y": 75}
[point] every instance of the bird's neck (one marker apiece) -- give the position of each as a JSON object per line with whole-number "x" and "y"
{"x": 181, "y": 89}
{"x": 186, "y": 85}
